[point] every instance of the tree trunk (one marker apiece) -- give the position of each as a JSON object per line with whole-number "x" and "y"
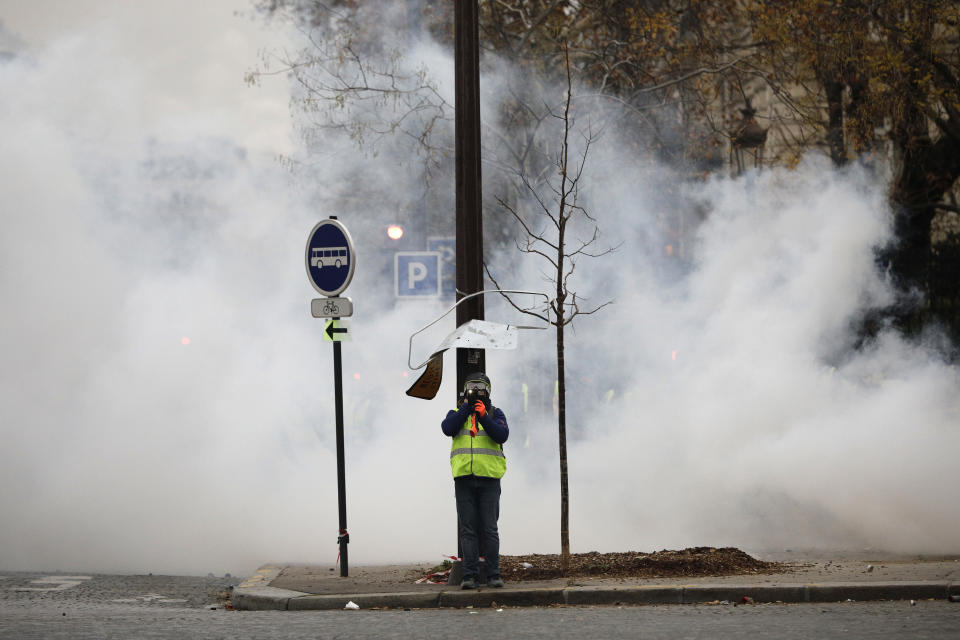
{"x": 562, "y": 431}
{"x": 928, "y": 172}
{"x": 833, "y": 87}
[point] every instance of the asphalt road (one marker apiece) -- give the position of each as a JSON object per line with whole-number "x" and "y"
{"x": 99, "y": 606}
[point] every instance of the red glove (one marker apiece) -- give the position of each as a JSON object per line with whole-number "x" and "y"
{"x": 480, "y": 408}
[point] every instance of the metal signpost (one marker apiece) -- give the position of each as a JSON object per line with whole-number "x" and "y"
{"x": 330, "y": 262}
{"x": 469, "y": 212}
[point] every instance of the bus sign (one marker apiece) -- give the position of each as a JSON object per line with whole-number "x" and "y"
{"x": 322, "y": 257}
{"x": 329, "y": 258}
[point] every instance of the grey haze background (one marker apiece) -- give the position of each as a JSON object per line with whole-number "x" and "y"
{"x": 167, "y": 401}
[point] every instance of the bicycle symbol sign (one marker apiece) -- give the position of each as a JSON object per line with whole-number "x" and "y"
{"x": 331, "y": 307}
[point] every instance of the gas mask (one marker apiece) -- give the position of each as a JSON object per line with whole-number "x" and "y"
{"x": 477, "y": 388}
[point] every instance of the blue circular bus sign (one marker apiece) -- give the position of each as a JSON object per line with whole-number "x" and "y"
{"x": 330, "y": 258}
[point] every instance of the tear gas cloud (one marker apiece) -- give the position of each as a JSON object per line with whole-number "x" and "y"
{"x": 167, "y": 401}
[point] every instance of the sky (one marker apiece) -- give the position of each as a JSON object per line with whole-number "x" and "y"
{"x": 166, "y": 400}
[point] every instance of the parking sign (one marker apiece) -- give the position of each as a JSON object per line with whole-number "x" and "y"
{"x": 416, "y": 274}
{"x": 447, "y": 246}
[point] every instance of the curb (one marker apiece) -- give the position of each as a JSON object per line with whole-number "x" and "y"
{"x": 259, "y": 597}
{"x": 256, "y": 594}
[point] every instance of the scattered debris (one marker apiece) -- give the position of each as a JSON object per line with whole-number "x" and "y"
{"x": 869, "y": 568}
{"x": 437, "y": 577}
{"x": 913, "y": 603}
{"x": 351, "y": 605}
{"x": 440, "y": 573}
{"x": 695, "y": 561}
{"x": 955, "y": 598}
{"x": 746, "y": 600}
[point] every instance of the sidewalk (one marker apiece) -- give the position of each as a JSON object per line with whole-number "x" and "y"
{"x": 814, "y": 576}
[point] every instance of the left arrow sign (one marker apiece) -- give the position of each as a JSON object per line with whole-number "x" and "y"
{"x": 334, "y": 331}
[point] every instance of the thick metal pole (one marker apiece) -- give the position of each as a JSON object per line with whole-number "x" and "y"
{"x": 344, "y": 538}
{"x": 469, "y": 223}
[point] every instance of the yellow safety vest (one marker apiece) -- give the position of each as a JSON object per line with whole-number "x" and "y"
{"x": 478, "y": 455}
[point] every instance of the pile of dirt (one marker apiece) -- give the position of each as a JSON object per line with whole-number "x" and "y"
{"x": 692, "y": 562}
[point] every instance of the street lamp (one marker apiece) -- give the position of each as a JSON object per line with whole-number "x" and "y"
{"x": 394, "y": 232}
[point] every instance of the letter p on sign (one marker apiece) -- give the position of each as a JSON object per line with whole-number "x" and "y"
{"x": 416, "y": 271}
{"x": 416, "y": 274}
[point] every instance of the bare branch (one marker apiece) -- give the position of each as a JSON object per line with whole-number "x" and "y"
{"x": 530, "y": 233}
{"x": 939, "y": 205}
{"x": 590, "y": 312}
{"x": 536, "y": 23}
{"x": 510, "y": 300}
{"x": 690, "y": 75}
{"x": 543, "y": 205}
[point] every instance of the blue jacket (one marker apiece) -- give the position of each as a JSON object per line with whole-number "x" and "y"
{"x": 494, "y": 423}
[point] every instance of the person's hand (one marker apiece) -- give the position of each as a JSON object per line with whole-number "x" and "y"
{"x": 480, "y": 408}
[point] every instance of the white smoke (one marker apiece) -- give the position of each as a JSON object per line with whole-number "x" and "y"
{"x": 167, "y": 401}
{"x": 741, "y": 417}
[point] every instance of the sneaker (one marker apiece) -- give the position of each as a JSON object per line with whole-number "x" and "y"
{"x": 469, "y": 583}
{"x": 495, "y": 582}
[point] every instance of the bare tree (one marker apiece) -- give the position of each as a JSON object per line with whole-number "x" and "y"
{"x": 352, "y": 76}
{"x": 547, "y": 234}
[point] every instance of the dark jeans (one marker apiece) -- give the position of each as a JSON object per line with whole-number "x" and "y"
{"x": 478, "y": 509}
